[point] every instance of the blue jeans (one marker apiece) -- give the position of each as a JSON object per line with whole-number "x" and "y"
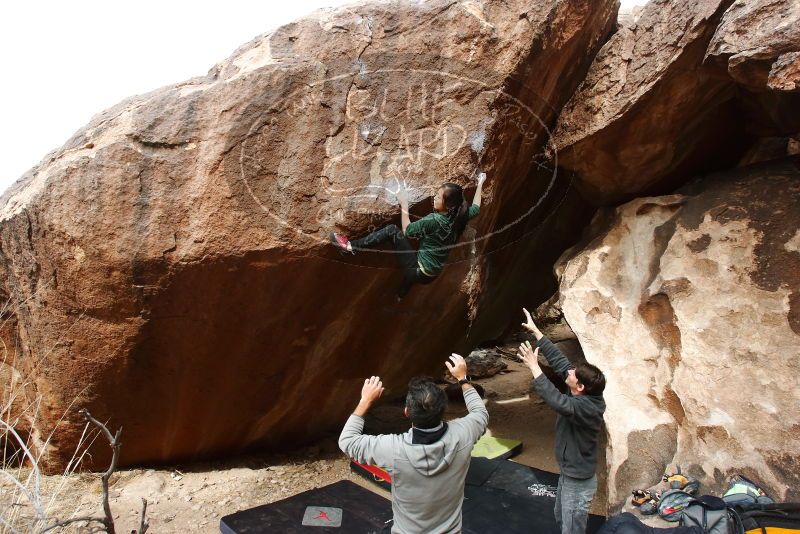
{"x": 573, "y": 500}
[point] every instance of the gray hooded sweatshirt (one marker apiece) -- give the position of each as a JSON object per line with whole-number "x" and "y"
{"x": 427, "y": 480}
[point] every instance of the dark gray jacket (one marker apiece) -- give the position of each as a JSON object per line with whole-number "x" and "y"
{"x": 579, "y": 418}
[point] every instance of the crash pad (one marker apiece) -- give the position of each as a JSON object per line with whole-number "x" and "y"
{"x": 373, "y": 473}
{"x": 500, "y": 448}
{"x": 340, "y": 507}
{"x": 499, "y": 491}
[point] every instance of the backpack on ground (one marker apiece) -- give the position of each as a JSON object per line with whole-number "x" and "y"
{"x": 775, "y": 518}
{"x": 711, "y": 514}
{"x": 672, "y": 504}
{"x": 627, "y": 523}
{"x": 742, "y": 491}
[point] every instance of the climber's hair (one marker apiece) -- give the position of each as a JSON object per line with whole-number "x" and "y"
{"x": 592, "y": 378}
{"x": 426, "y": 402}
{"x": 456, "y": 206}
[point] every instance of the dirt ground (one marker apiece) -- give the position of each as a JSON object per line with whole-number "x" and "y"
{"x": 194, "y": 497}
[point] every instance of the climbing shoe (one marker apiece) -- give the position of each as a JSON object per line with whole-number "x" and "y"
{"x": 640, "y": 497}
{"x": 342, "y": 243}
{"x": 649, "y": 508}
{"x": 646, "y": 500}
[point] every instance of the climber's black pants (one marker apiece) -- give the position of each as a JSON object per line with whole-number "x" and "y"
{"x": 406, "y": 255}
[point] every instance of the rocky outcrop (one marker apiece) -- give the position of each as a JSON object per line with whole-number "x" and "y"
{"x": 483, "y": 363}
{"x": 691, "y": 305}
{"x": 661, "y": 295}
{"x": 634, "y": 124}
{"x": 671, "y": 95}
{"x": 168, "y": 267}
{"x": 759, "y": 43}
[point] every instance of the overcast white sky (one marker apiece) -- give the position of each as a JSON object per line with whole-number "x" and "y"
{"x": 64, "y": 61}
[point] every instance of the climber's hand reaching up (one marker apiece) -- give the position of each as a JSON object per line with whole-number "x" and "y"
{"x": 402, "y": 193}
{"x": 370, "y": 392}
{"x": 530, "y": 357}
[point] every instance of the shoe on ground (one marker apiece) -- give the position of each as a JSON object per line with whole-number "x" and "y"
{"x": 649, "y": 508}
{"x": 640, "y": 497}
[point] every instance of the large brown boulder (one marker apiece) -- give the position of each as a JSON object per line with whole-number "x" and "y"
{"x": 691, "y": 305}
{"x": 168, "y": 267}
{"x": 683, "y": 88}
{"x": 633, "y": 124}
{"x": 759, "y": 42}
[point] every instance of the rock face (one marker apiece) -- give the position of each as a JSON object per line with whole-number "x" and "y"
{"x": 691, "y": 305}
{"x": 633, "y": 124}
{"x": 760, "y": 43}
{"x": 670, "y": 95}
{"x": 691, "y": 300}
{"x": 168, "y": 268}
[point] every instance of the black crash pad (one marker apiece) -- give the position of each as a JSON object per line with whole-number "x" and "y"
{"x": 361, "y": 511}
{"x": 499, "y": 496}
{"x": 518, "y": 497}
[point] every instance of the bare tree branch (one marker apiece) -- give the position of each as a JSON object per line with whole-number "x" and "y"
{"x": 108, "y": 521}
{"x": 144, "y": 525}
{"x": 66, "y": 522}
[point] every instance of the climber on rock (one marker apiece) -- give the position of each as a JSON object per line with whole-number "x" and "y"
{"x": 437, "y": 233}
